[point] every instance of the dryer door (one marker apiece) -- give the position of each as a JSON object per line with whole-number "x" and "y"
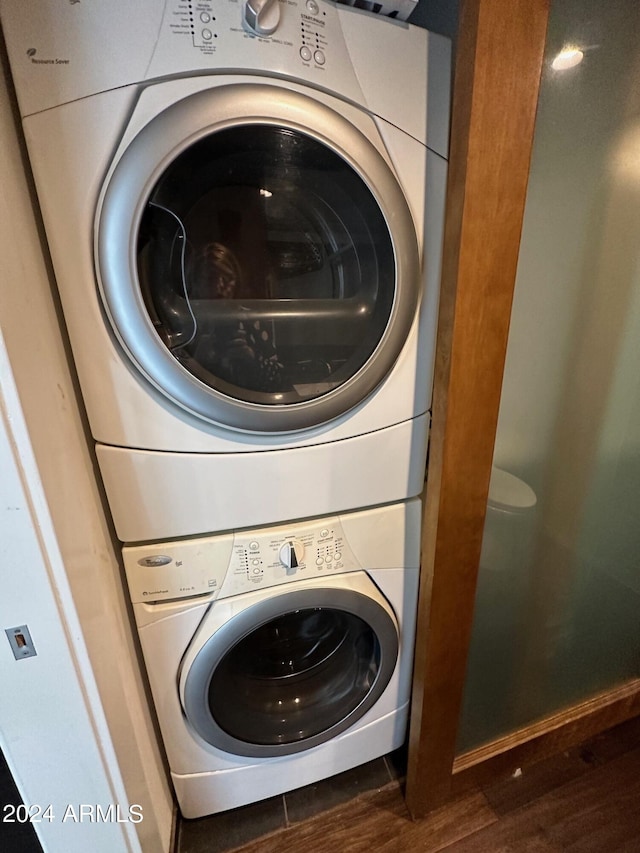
{"x": 257, "y": 258}
{"x": 291, "y": 670}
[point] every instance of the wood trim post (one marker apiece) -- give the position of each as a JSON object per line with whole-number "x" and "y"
{"x": 499, "y": 60}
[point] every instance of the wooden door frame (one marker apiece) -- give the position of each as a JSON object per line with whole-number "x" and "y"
{"x": 497, "y": 79}
{"x": 499, "y": 61}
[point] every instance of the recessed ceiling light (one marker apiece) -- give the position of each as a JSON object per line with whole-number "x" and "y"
{"x": 569, "y": 57}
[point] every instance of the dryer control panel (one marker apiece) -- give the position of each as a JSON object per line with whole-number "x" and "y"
{"x": 300, "y": 38}
{"x": 232, "y": 563}
{"x": 65, "y": 51}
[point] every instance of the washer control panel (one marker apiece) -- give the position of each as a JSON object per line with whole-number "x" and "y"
{"x": 231, "y": 563}
{"x": 281, "y": 554}
{"x": 168, "y": 570}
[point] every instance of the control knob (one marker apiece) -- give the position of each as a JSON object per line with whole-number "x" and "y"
{"x": 262, "y": 16}
{"x": 291, "y": 555}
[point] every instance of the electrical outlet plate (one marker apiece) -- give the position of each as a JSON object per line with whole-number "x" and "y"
{"x": 20, "y": 642}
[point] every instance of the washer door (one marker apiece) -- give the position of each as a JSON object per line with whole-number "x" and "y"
{"x": 257, "y": 258}
{"x": 290, "y": 671}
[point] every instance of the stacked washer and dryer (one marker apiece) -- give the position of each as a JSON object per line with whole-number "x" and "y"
{"x": 244, "y": 207}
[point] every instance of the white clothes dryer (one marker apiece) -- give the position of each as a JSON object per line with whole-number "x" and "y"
{"x": 278, "y": 656}
{"x": 245, "y": 217}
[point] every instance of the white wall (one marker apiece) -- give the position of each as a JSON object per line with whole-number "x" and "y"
{"x": 53, "y": 730}
{"x": 38, "y": 362}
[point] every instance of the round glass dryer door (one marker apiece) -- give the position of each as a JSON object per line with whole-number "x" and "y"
{"x": 262, "y": 275}
{"x": 290, "y": 673}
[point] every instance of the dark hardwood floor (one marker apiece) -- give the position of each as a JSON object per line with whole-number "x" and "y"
{"x": 15, "y": 836}
{"x": 586, "y": 800}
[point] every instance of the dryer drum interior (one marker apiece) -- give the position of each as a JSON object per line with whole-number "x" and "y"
{"x": 293, "y": 681}
{"x": 266, "y": 265}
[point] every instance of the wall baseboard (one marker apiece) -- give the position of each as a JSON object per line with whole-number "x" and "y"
{"x": 557, "y": 732}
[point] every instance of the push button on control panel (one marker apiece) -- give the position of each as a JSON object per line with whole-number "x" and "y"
{"x": 313, "y": 32}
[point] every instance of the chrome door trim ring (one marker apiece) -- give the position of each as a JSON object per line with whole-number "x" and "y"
{"x": 118, "y": 218}
{"x": 200, "y": 672}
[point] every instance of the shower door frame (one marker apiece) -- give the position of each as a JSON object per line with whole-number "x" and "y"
{"x": 499, "y": 57}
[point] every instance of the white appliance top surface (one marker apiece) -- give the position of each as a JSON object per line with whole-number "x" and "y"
{"x": 62, "y": 52}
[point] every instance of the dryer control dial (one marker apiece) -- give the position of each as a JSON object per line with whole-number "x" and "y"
{"x": 262, "y": 16}
{"x": 291, "y": 555}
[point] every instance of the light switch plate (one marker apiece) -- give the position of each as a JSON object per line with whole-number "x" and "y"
{"x": 20, "y": 642}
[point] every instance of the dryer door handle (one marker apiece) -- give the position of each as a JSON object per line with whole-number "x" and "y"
{"x": 262, "y": 16}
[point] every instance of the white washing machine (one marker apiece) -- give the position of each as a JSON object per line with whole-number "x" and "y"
{"x": 278, "y": 656}
{"x": 244, "y": 206}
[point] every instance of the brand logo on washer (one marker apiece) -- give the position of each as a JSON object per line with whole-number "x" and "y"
{"x": 156, "y": 560}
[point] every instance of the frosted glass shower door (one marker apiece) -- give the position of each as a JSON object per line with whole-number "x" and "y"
{"x": 558, "y": 600}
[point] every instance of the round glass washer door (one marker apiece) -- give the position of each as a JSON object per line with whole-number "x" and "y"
{"x": 257, "y": 258}
{"x": 290, "y": 672}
